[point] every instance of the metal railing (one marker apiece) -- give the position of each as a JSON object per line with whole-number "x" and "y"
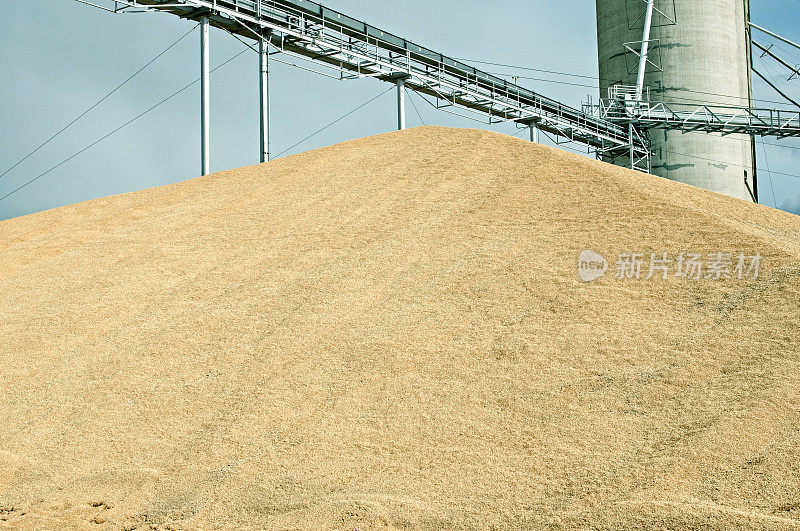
{"x": 622, "y": 108}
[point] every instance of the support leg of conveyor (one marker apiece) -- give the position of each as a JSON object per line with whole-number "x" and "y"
{"x": 534, "y": 133}
{"x": 401, "y": 104}
{"x": 205, "y": 98}
{"x": 263, "y": 52}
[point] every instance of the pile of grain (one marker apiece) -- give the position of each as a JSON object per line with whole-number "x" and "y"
{"x": 391, "y": 332}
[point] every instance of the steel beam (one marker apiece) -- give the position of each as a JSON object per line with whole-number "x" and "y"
{"x": 263, "y": 52}
{"x": 685, "y": 117}
{"x": 205, "y": 97}
{"x": 401, "y": 104}
{"x": 771, "y": 34}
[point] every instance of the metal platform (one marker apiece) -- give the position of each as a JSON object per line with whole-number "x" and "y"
{"x": 622, "y": 107}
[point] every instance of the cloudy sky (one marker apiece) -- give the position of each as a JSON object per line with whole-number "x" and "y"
{"x": 60, "y": 57}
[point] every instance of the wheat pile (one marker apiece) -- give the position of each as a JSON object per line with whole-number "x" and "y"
{"x": 392, "y": 333}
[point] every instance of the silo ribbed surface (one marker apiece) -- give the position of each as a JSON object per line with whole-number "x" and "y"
{"x": 704, "y": 58}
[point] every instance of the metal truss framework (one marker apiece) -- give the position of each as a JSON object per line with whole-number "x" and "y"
{"x": 626, "y": 104}
{"x": 621, "y": 107}
{"x": 357, "y": 50}
{"x": 618, "y": 126}
{"x": 632, "y": 104}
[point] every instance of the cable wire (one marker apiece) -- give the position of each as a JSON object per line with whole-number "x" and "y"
{"x": 777, "y": 75}
{"x": 411, "y": 99}
{"x": 582, "y": 76}
{"x": 771, "y": 183}
{"x": 184, "y": 89}
{"x": 788, "y": 51}
{"x": 793, "y": 175}
{"x": 99, "y": 102}
{"x": 774, "y": 86}
{"x": 732, "y": 137}
{"x": 312, "y": 135}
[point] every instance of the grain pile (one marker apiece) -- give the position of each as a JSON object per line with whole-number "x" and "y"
{"x": 391, "y": 333}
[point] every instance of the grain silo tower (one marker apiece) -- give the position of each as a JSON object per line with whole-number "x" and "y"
{"x": 699, "y": 54}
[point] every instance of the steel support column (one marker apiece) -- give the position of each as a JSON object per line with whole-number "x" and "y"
{"x": 534, "y": 133}
{"x": 401, "y": 104}
{"x": 632, "y": 148}
{"x": 263, "y": 51}
{"x": 205, "y": 97}
{"x": 648, "y": 23}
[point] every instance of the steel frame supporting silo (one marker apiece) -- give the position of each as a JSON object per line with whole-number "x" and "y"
{"x": 698, "y": 55}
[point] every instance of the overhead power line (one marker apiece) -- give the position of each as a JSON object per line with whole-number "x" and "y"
{"x": 791, "y": 52}
{"x": 555, "y": 81}
{"x": 793, "y": 175}
{"x": 717, "y": 161}
{"x": 312, "y": 135}
{"x": 778, "y": 76}
{"x": 516, "y": 67}
{"x": 769, "y": 172}
{"x": 678, "y": 99}
{"x": 747, "y": 140}
{"x": 135, "y": 118}
{"x": 411, "y": 99}
{"x": 99, "y": 102}
{"x": 672, "y": 99}
{"x": 769, "y": 52}
{"x": 594, "y": 78}
{"x": 774, "y": 86}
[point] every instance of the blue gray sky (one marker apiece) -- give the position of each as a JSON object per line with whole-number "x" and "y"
{"x": 59, "y": 57}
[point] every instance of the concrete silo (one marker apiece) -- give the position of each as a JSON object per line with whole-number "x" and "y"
{"x": 702, "y": 57}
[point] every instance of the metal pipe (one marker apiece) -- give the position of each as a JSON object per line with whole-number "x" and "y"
{"x": 263, "y": 52}
{"x": 787, "y": 41}
{"x": 648, "y": 23}
{"x": 205, "y": 98}
{"x": 755, "y": 182}
{"x": 401, "y": 104}
{"x": 534, "y": 133}
{"x": 752, "y": 191}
